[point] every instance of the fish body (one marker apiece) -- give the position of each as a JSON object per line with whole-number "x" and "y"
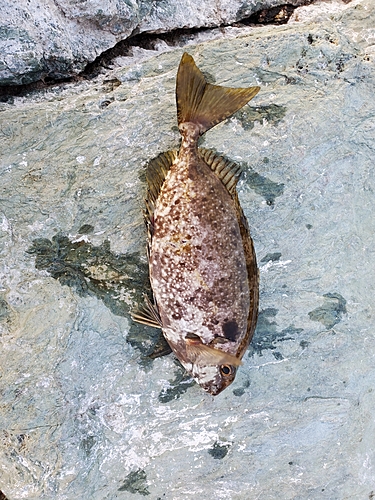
{"x": 202, "y": 263}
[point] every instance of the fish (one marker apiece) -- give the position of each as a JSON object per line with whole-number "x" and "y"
{"x": 202, "y": 263}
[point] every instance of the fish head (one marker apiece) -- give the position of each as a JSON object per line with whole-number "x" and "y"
{"x": 212, "y": 367}
{"x": 214, "y": 378}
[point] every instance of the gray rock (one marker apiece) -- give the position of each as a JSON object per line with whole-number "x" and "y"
{"x": 84, "y": 414}
{"x": 56, "y": 39}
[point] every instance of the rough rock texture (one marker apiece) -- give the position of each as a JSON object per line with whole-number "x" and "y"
{"x": 56, "y": 38}
{"x": 83, "y": 413}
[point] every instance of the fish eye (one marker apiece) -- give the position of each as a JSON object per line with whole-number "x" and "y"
{"x": 226, "y": 370}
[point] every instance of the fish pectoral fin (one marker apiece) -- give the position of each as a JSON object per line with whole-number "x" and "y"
{"x": 202, "y": 103}
{"x": 147, "y": 314}
{"x": 202, "y": 354}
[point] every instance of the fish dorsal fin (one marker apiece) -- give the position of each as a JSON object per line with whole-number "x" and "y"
{"x": 226, "y": 170}
{"x": 202, "y": 354}
{"x": 147, "y": 314}
{"x": 156, "y": 171}
{"x": 202, "y": 103}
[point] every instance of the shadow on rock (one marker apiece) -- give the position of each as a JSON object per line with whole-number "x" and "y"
{"x": 267, "y": 336}
{"x": 330, "y": 313}
{"x": 118, "y": 280}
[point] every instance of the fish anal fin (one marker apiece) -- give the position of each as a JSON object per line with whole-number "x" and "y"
{"x": 205, "y": 104}
{"x": 202, "y": 354}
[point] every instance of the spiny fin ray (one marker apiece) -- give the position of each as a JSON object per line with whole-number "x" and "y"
{"x": 147, "y": 314}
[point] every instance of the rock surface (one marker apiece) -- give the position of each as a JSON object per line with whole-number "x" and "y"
{"x": 57, "y": 38}
{"x": 84, "y": 413}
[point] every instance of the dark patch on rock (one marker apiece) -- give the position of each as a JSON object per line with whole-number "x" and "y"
{"x": 219, "y": 451}
{"x": 330, "y": 313}
{"x": 2, "y": 496}
{"x": 135, "y": 482}
{"x": 277, "y": 355}
{"x": 240, "y": 391}
{"x": 304, "y": 344}
{"x": 266, "y": 334}
{"x": 274, "y": 257}
{"x": 263, "y": 186}
{"x": 4, "y": 310}
{"x": 230, "y": 329}
{"x": 117, "y": 280}
{"x": 6, "y": 314}
{"x": 178, "y": 386}
{"x": 87, "y": 444}
{"x": 280, "y": 14}
{"x": 105, "y": 103}
{"x": 308, "y": 226}
{"x": 86, "y": 229}
{"x": 247, "y": 116}
{"x": 110, "y": 84}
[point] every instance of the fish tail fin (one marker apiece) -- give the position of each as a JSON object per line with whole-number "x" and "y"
{"x": 204, "y": 104}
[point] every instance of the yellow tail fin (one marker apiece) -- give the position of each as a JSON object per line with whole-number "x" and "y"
{"x": 202, "y": 103}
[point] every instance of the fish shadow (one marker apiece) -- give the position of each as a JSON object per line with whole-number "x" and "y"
{"x": 119, "y": 281}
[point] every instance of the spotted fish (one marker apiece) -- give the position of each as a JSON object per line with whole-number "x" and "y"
{"x": 202, "y": 263}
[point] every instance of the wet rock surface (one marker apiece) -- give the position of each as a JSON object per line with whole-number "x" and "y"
{"x": 84, "y": 412}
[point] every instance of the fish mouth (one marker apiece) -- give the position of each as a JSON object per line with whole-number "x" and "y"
{"x": 214, "y": 387}
{"x": 211, "y": 379}
{"x": 214, "y": 390}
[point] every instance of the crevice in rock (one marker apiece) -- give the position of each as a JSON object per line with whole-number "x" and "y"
{"x": 274, "y": 15}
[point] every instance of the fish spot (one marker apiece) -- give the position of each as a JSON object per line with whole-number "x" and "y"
{"x": 230, "y": 330}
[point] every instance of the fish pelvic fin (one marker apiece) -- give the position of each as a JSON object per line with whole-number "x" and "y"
{"x": 205, "y": 104}
{"x": 147, "y": 314}
{"x": 202, "y": 354}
